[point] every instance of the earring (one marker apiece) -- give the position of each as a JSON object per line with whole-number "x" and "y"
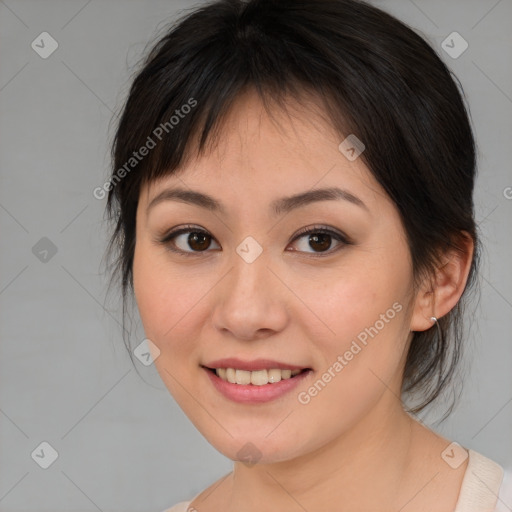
{"x": 436, "y": 323}
{"x": 439, "y": 337}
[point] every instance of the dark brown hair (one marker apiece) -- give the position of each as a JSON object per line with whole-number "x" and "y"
{"x": 376, "y": 78}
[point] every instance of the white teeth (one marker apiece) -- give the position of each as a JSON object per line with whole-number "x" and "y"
{"x": 274, "y": 375}
{"x": 230, "y": 375}
{"x": 257, "y": 377}
{"x": 242, "y": 377}
{"x": 286, "y": 374}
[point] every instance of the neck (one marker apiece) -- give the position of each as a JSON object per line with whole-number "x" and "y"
{"x": 362, "y": 469}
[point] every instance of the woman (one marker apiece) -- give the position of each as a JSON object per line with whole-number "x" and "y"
{"x": 292, "y": 197}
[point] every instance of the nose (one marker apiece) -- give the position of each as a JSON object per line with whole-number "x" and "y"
{"x": 250, "y": 302}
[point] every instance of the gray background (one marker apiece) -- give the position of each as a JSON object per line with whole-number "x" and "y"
{"x": 66, "y": 379}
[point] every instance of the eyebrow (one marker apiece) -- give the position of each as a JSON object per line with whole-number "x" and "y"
{"x": 278, "y": 206}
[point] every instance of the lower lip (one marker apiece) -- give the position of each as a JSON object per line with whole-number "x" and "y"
{"x": 249, "y": 393}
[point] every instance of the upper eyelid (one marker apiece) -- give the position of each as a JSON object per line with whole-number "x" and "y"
{"x": 301, "y": 232}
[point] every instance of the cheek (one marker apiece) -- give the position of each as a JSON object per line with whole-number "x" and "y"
{"x": 361, "y": 362}
{"x": 165, "y": 301}
{"x": 366, "y": 311}
{"x": 362, "y": 295}
{"x": 171, "y": 304}
{"x": 162, "y": 297}
{"x": 150, "y": 292}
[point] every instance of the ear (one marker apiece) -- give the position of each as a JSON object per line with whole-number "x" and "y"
{"x": 439, "y": 293}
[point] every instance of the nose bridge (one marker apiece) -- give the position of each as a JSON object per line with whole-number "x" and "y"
{"x": 248, "y": 301}
{"x": 250, "y": 270}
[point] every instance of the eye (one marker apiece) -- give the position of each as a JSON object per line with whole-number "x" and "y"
{"x": 320, "y": 239}
{"x": 188, "y": 237}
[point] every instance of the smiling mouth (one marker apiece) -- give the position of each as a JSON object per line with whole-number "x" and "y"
{"x": 256, "y": 377}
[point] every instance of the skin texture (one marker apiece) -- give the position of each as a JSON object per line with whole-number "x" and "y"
{"x": 352, "y": 444}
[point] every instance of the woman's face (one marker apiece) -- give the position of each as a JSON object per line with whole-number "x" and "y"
{"x": 251, "y": 286}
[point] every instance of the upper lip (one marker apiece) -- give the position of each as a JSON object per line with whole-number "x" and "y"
{"x": 255, "y": 364}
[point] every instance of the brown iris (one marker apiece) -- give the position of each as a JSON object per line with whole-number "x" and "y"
{"x": 323, "y": 239}
{"x": 199, "y": 241}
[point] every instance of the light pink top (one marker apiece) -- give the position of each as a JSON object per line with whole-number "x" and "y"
{"x": 486, "y": 487}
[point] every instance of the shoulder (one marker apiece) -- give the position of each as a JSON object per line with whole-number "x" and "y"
{"x": 505, "y": 493}
{"x": 179, "y": 507}
{"x": 481, "y": 484}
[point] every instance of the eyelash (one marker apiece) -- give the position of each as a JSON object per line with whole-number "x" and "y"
{"x": 340, "y": 237}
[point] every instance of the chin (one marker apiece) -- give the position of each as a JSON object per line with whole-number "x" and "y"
{"x": 258, "y": 448}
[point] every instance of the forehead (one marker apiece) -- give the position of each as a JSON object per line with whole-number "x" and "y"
{"x": 262, "y": 150}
